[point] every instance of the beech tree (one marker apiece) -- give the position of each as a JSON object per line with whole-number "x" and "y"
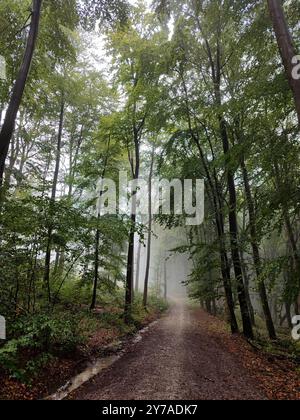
{"x": 19, "y": 86}
{"x": 287, "y": 48}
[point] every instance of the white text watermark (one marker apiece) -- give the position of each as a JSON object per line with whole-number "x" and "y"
{"x": 2, "y": 68}
{"x": 296, "y": 329}
{"x": 173, "y": 197}
{"x": 2, "y": 328}
{"x": 296, "y": 68}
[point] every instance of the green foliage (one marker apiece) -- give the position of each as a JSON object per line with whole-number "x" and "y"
{"x": 38, "y": 338}
{"x": 159, "y": 92}
{"x": 109, "y": 12}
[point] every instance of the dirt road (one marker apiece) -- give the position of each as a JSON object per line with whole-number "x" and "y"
{"x": 178, "y": 358}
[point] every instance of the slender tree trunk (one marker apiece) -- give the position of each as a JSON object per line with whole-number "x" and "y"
{"x": 57, "y": 256}
{"x": 130, "y": 270}
{"x": 247, "y": 291}
{"x": 137, "y": 133}
{"x": 216, "y": 77}
{"x": 246, "y": 276}
{"x": 208, "y": 306}
{"x": 288, "y": 314}
{"x": 14, "y": 151}
{"x": 98, "y": 234}
{"x": 233, "y": 226}
{"x": 225, "y": 266}
{"x": 214, "y": 307}
{"x": 18, "y": 90}
{"x": 61, "y": 263}
{"x": 286, "y": 47}
{"x": 288, "y": 226}
{"x": 295, "y": 266}
{"x": 158, "y": 282}
{"x": 256, "y": 256}
{"x": 73, "y": 159}
{"x": 17, "y": 281}
{"x": 217, "y": 206}
{"x": 138, "y": 262}
{"x": 32, "y": 275}
{"x": 53, "y": 198}
{"x": 59, "y": 145}
{"x": 146, "y": 284}
{"x": 165, "y": 280}
{"x": 130, "y": 263}
{"x": 96, "y": 274}
{"x": 292, "y": 240}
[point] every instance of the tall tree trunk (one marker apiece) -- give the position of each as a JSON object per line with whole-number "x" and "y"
{"x": 129, "y": 272}
{"x": 165, "y": 280}
{"x": 158, "y": 281}
{"x": 286, "y": 47}
{"x": 96, "y": 270}
{"x": 295, "y": 265}
{"x": 215, "y": 199}
{"x": 146, "y": 284}
{"x": 288, "y": 314}
{"x": 58, "y": 150}
{"x": 247, "y": 284}
{"x": 246, "y": 276}
{"x": 73, "y": 159}
{"x": 14, "y": 153}
{"x": 289, "y": 228}
{"x": 292, "y": 240}
{"x": 17, "y": 281}
{"x": 233, "y": 227}
{"x": 214, "y": 307}
{"x": 225, "y": 266}
{"x": 216, "y": 75}
{"x": 146, "y": 281}
{"x": 138, "y": 263}
{"x": 18, "y": 90}
{"x": 256, "y": 255}
{"x": 208, "y": 306}
{"x": 98, "y": 234}
{"x": 135, "y": 167}
{"x": 53, "y": 198}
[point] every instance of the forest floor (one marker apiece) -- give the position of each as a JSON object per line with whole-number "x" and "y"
{"x": 189, "y": 354}
{"x": 106, "y": 334}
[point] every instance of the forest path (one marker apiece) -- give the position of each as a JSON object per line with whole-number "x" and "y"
{"x": 181, "y": 357}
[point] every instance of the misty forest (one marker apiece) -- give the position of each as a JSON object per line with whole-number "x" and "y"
{"x": 148, "y": 306}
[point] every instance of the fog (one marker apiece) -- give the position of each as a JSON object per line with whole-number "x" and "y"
{"x": 165, "y": 262}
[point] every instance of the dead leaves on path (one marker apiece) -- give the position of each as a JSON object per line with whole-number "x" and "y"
{"x": 279, "y": 379}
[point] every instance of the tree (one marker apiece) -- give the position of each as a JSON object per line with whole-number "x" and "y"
{"x": 19, "y": 86}
{"x": 53, "y": 193}
{"x": 149, "y": 241}
{"x": 98, "y": 233}
{"x": 216, "y": 75}
{"x": 286, "y": 47}
{"x": 138, "y": 54}
{"x": 138, "y": 262}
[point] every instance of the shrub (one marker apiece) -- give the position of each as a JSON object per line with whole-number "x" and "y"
{"x": 38, "y": 338}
